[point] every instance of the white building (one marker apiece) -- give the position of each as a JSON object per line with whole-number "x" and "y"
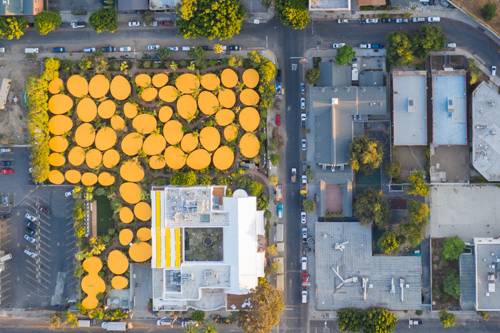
{"x": 207, "y": 247}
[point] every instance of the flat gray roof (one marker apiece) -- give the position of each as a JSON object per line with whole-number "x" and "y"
{"x": 371, "y": 78}
{"x": 449, "y": 103}
{"x": 132, "y": 5}
{"x": 325, "y": 74}
{"x": 487, "y": 254}
{"x": 356, "y": 261}
{"x": 409, "y": 98}
{"x": 329, "y": 5}
{"x": 486, "y": 131}
{"x": 162, "y": 4}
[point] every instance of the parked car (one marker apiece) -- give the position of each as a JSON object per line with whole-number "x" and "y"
{"x": 303, "y": 233}
{"x": 451, "y": 45}
{"x": 30, "y": 224}
{"x": 302, "y": 103}
{"x": 30, "y": 231}
{"x": 432, "y": 19}
{"x": 6, "y": 163}
{"x": 42, "y": 208}
{"x": 185, "y": 48}
{"x": 414, "y": 322}
{"x": 234, "y": 47}
{"x": 303, "y": 217}
{"x": 153, "y": 47}
{"x": 30, "y": 217}
{"x": 303, "y": 179}
{"x": 68, "y": 194}
{"x": 399, "y": 20}
{"x": 31, "y": 50}
{"x": 364, "y": 46}
{"x": 30, "y": 253}
{"x": 78, "y": 24}
{"x": 376, "y": 46}
{"x": 279, "y": 210}
{"x": 303, "y": 144}
{"x": 108, "y": 48}
{"x": 166, "y": 23}
{"x": 418, "y": 19}
{"x": 303, "y": 117}
{"x": 370, "y": 20}
{"x": 493, "y": 70}
{"x": 303, "y": 263}
{"x": 206, "y": 48}
{"x": 188, "y": 323}
{"x": 134, "y": 24}
{"x": 58, "y": 50}
{"x": 304, "y": 296}
{"x": 277, "y": 120}
{"x": 89, "y": 50}
{"x": 5, "y": 150}
{"x": 173, "y": 48}
{"x": 125, "y": 49}
{"x": 6, "y": 171}
{"x": 302, "y": 88}
{"x": 337, "y": 45}
{"x": 29, "y": 239}
{"x": 165, "y": 321}
{"x": 342, "y": 20}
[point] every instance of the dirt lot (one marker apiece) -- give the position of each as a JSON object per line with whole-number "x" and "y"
{"x": 13, "y": 118}
{"x": 474, "y": 6}
{"x": 440, "y": 268}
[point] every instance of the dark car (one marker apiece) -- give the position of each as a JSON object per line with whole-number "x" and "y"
{"x": 206, "y": 48}
{"x": 30, "y": 232}
{"x": 108, "y": 48}
{"x": 377, "y": 46}
{"x": 30, "y": 224}
{"x": 6, "y": 171}
{"x": 166, "y": 23}
{"x": 234, "y": 47}
{"x": 43, "y": 209}
{"x": 58, "y": 49}
{"x": 6, "y": 163}
{"x": 278, "y": 75}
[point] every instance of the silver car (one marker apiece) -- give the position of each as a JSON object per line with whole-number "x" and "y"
{"x": 153, "y": 47}
{"x": 125, "y": 49}
{"x": 30, "y": 217}
{"x": 30, "y": 253}
{"x": 30, "y": 239}
{"x": 302, "y": 103}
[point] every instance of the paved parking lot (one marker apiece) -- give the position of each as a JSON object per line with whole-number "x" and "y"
{"x": 47, "y": 279}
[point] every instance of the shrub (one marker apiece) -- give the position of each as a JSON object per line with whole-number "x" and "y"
{"x": 366, "y": 154}
{"x": 451, "y": 285}
{"x": 104, "y": 19}
{"x": 452, "y": 248}
{"x": 418, "y": 186}
{"x": 12, "y": 27}
{"x": 370, "y": 206}
{"x": 489, "y": 11}
{"x": 312, "y": 75}
{"x": 350, "y": 319}
{"x": 447, "y": 319}
{"x": 309, "y": 205}
{"x": 198, "y": 315}
{"x": 47, "y": 21}
{"x": 388, "y": 243}
{"x": 345, "y": 55}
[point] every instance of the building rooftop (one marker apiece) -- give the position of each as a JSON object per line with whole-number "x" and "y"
{"x": 162, "y": 4}
{"x": 334, "y": 123}
{"x": 449, "y": 113}
{"x": 21, "y": 7}
{"x": 487, "y": 257}
{"x": 204, "y": 246}
{"x": 132, "y": 5}
{"x": 409, "y": 100}
{"x": 315, "y": 5}
{"x": 371, "y": 3}
{"x": 392, "y": 282}
{"x": 486, "y": 131}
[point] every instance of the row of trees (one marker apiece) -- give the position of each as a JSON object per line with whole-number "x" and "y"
{"x": 373, "y": 320}
{"x": 14, "y": 27}
{"x": 38, "y": 118}
{"x": 403, "y": 47}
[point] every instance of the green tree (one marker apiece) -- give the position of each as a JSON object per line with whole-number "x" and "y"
{"x": 267, "y": 307}
{"x": 210, "y": 328}
{"x": 12, "y": 27}
{"x": 188, "y": 178}
{"x": 71, "y": 319}
{"x": 218, "y": 49}
{"x": 370, "y": 206}
{"x": 419, "y": 212}
{"x": 388, "y": 242}
{"x": 430, "y": 38}
{"x": 164, "y": 53}
{"x": 451, "y": 285}
{"x": 489, "y": 11}
{"x": 275, "y": 158}
{"x": 309, "y": 206}
{"x": 394, "y": 170}
{"x": 345, "y": 55}
{"x": 399, "y": 49}
{"x": 379, "y": 320}
{"x": 447, "y": 319}
{"x": 235, "y": 61}
{"x": 418, "y": 186}
{"x": 47, "y": 21}
{"x": 55, "y": 320}
{"x": 366, "y": 154}
{"x": 350, "y": 319}
{"x": 104, "y": 19}
{"x": 220, "y": 19}
{"x": 198, "y": 315}
{"x": 484, "y": 315}
{"x": 312, "y": 75}
{"x": 191, "y": 329}
{"x": 293, "y": 13}
{"x": 452, "y": 248}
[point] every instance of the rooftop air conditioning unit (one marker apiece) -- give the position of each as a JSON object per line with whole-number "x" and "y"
{"x": 411, "y": 105}
{"x": 450, "y": 105}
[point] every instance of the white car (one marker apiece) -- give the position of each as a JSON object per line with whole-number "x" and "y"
{"x": 342, "y": 21}
{"x": 77, "y": 24}
{"x": 303, "y": 144}
{"x": 303, "y": 233}
{"x": 304, "y": 296}
{"x": 399, "y": 20}
{"x": 303, "y": 219}
{"x": 337, "y": 45}
{"x": 302, "y": 103}
{"x": 30, "y": 217}
{"x": 68, "y": 194}
{"x": 134, "y": 24}
{"x": 186, "y": 48}
{"x": 451, "y": 45}
{"x": 173, "y": 48}
{"x": 303, "y": 116}
{"x": 364, "y": 46}
{"x": 165, "y": 321}
{"x": 153, "y": 47}
{"x": 432, "y": 19}
{"x": 303, "y": 263}
{"x": 493, "y": 70}
{"x": 5, "y": 150}
{"x": 30, "y": 239}
{"x": 189, "y": 323}
{"x": 303, "y": 179}
{"x": 30, "y": 253}
{"x": 371, "y": 20}
{"x": 89, "y": 50}
{"x": 125, "y": 49}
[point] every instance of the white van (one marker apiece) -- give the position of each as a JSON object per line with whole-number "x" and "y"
{"x": 304, "y": 296}
{"x": 303, "y": 263}
{"x": 31, "y": 50}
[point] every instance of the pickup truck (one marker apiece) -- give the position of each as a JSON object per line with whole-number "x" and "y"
{"x": 293, "y": 177}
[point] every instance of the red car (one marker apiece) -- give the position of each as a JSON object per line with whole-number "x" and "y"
{"x": 6, "y": 171}
{"x": 277, "y": 120}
